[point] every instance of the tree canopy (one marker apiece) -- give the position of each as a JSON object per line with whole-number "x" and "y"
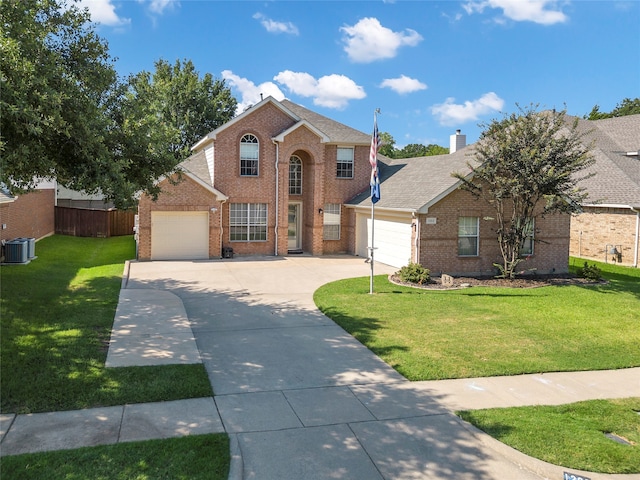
{"x": 408, "y": 151}
{"x": 56, "y": 75}
{"x": 65, "y": 115}
{"x": 526, "y": 160}
{"x": 626, "y": 107}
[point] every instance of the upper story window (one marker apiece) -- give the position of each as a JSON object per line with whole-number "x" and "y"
{"x": 468, "y": 236}
{"x": 295, "y": 175}
{"x": 249, "y": 155}
{"x": 344, "y": 162}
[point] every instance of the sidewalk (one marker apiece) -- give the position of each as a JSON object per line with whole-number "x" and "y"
{"x": 344, "y": 415}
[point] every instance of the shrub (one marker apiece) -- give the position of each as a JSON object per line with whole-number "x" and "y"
{"x": 414, "y": 273}
{"x": 592, "y": 272}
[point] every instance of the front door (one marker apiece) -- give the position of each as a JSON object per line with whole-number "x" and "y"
{"x": 294, "y": 226}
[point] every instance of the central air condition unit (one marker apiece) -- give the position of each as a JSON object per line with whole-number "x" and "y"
{"x": 16, "y": 251}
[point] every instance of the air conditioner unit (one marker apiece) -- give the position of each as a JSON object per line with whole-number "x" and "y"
{"x": 16, "y": 251}
{"x": 31, "y": 247}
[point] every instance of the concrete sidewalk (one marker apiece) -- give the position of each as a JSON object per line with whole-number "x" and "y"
{"x": 298, "y": 396}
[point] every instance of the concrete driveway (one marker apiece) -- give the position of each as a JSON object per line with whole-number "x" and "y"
{"x": 301, "y": 398}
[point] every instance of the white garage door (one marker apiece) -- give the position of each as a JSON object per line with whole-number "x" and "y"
{"x": 179, "y": 235}
{"x": 392, "y": 239}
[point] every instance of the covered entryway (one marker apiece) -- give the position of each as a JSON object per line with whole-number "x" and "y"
{"x": 179, "y": 235}
{"x": 392, "y": 238}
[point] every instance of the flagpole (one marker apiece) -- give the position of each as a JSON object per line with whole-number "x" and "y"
{"x": 373, "y": 159}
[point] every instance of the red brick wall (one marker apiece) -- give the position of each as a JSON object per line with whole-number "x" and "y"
{"x": 31, "y": 215}
{"x": 439, "y": 242}
{"x": 596, "y": 228}
{"x": 186, "y": 196}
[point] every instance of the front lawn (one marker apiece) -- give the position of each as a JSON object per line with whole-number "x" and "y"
{"x": 198, "y": 457}
{"x": 56, "y": 315}
{"x": 490, "y": 331}
{"x": 573, "y": 436}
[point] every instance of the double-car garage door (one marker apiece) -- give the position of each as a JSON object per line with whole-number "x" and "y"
{"x": 392, "y": 238}
{"x": 179, "y": 235}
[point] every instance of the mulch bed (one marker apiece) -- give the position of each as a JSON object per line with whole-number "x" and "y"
{"x": 530, "y": 281}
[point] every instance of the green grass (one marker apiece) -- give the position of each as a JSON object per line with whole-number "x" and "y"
{"x": 570, "y": 435}
{"x": 56, "y": 315}
{"x": 196, "y": 457}
{"x": 483, "y": 331}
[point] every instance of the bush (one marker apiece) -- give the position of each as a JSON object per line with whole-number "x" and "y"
{"x": 414, "y": 273}
{"x": 590, "y": 271}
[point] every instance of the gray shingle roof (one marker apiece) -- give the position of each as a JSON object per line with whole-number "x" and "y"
{"x": 336, "y": 131}
{"x": 617, "y": 176}
{"x": 196, "y": 164}
{"x": 414, "y": 184}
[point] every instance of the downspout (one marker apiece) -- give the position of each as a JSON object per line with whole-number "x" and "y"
{"x": 417, "y": 240}
{"x": 277, "y": 193}
{"x": 635, "y": 250}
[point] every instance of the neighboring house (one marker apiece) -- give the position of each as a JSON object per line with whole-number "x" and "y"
{"x": 29, "y": 215}
{"x": 608, "y": 230}
{"x": 280, "y": 179}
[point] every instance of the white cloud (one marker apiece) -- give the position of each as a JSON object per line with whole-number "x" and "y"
{"x": 276, "y": 27}
{"x": 403, "y": 84}
{"x": 368, "y": 40}
{"x": 330, "y": 91}
{"x": 158, "y": 7}
{"x": 545, "y": 12}
{"x": 249, "y": 91}
{"x": 450, "y": 113}
{"x": 104, "y": 12}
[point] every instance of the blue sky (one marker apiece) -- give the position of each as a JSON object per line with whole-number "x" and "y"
{"x": 430, "y": 66}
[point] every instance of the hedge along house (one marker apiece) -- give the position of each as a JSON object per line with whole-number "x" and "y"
{"x": 424, "y": 217}
{"x": 608, "y": 229}
{"x": 272, "y": 181}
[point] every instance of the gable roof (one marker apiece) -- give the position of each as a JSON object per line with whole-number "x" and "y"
{"x": 327, "y": 129}
{"x": 196, "y": 168}
{"x": 415, "y": 184}
{"x": 617, "y": 169}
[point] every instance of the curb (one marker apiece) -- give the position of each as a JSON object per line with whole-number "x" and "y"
{"x": 125, "y": 274}
{"x": 236, "y": 468}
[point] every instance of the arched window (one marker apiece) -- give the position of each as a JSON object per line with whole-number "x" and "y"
{"x": 295, "y": 175}
{"x": 249, "y": 155}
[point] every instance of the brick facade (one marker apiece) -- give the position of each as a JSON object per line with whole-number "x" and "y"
{"x": 598, "y": 229}
{"x": 31, "y": 215}
{"x": 439, "y": 241}
{"x": 319, "y": 187}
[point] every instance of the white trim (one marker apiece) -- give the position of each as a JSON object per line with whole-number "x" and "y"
{"x": 302, "y": 123}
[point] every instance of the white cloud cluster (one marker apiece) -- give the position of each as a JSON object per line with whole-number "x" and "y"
{"x": 158, "y": 7}
{"x": 330, "y": 91}
{"x": 450, "y": 113}
{"x": 545, "y": 12}
{"x": 403, "y": 84}
{"x": 104, "y": 12}
{"x": 276, "y": 27}
{"x": 250, "y": 93}
{"x": 368, "y": 40}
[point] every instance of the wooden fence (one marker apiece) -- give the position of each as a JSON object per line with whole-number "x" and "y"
{"x": 80, "y": 222}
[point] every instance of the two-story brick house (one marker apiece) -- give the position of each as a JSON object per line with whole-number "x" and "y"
{"x": 280, "y": 178}
{"x": 273, "y": 180}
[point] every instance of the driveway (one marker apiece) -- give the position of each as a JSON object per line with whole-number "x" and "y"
{"x": 301, "y": 398}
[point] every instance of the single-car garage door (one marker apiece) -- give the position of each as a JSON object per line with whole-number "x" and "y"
{"x": 392, "y": 238}
{"x": 179, "y": 235}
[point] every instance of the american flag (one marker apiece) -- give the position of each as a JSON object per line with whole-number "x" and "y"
{"x": 373, "y": 160}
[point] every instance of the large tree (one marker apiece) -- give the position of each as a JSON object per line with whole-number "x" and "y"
{"x": 626, "y": 107}
{"x": 527, "y": 165}
{"x": 159, "y": 116}
{"x": 56, "y": 74}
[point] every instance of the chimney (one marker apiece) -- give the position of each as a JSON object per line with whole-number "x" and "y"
{"x": 457, "y": 141}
